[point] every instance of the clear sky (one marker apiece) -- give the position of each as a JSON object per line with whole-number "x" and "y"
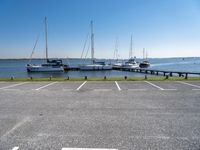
{"x": 166, "y": 28}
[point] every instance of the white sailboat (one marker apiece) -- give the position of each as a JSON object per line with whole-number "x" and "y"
{"x": 117, "y": 64}
{"x": 145, "y": 63}
{"x": 55, "y": 65}
{"x": 94, "y": 66}
{"x": 131, "y": 63}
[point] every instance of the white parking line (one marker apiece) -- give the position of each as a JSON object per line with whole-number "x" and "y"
{"x": 15, "y": 148}
{"x": 81, "y": 86}
{"x": 45, "y": 86}
{"x": 118, "y": 86}
{"x": 154, "y": 85}
{"x": 196, "y": 89}
{"x": 136, "y": 89}
{"x": 86, "y": 149}
{"x": 13, "y": 85}
{"x": 188, "y": 84}
{"x": 98, "y": 90}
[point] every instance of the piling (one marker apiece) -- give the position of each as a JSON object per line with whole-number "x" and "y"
{"x": 125, "y": 77}
{"x": 186, "y": 76}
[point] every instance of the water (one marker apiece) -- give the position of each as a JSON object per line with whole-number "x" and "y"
{"x": 17, "y": 68}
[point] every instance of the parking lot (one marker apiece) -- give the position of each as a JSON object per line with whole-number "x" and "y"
{"x": 101, "y": 85}
{"x": 103, "y": 115}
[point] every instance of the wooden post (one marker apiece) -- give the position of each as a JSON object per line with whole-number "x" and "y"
{"x": 125, "y": 77}
{"x": 85, "y": 77}
{"x": 164, "y": 73}
{"x": 104, "y": 77}
{"x": 186, "y": 76}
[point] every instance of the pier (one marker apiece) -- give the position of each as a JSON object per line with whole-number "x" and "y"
{"x": 160, "y": 72}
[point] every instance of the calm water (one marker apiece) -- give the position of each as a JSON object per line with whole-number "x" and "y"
{"x": 17, "y": 68}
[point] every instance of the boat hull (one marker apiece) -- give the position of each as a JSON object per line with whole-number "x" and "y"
{"x": 95, "y": 67}
{"x": 34, "y": 68}
{"x": 144, "y": 65}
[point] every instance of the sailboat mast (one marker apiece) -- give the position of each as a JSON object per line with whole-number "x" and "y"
{"x": 46, "y": 38}
{"x": 116, "y": 49}
{"x": 143, "y": 53}
{"x": 92, "y": 42}
{"x": 131, "y": 48}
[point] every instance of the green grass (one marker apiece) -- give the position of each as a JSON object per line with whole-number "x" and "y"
{"x": 158, "y": 78}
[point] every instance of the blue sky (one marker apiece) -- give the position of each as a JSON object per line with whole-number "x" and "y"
{"x": 166, "y": 28}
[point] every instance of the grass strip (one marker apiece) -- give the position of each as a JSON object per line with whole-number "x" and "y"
{"x": 159, "y": 78}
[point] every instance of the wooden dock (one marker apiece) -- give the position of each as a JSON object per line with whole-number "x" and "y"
{"x": 150, "y": 71}
{"x": 161, "y": 72}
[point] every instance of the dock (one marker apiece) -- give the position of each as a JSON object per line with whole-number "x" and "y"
{"x": 161, "y": 72}
{"x": 149, "y": 71}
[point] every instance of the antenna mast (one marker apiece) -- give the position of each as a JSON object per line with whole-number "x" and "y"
{"x": 92, "y": 42}
{"x": 46, "y": 38}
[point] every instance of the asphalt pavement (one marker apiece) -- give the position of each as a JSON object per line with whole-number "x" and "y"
{"x": 90, "y": 115}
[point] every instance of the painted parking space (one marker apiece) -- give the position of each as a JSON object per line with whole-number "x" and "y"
{"x": 64, "y": 86}
{"x": 64, "y": 148}
{"x": 30, "y": 86}
{"x": 13, "y": 85}
{"x": 171, "y": 85}
{"x": 195, "y": 85}
{"x": 135, "y": 85}
{"x": 5, "y": 84}
{"x": 100, "y": 86}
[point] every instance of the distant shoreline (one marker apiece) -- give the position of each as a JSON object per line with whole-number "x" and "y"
{"x": 97, "y": 58}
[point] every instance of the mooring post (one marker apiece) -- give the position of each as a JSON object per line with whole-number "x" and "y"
{"x": 186, "y": 76}
{"x": 67, "y": 77}
{"x": 164, "y": 73}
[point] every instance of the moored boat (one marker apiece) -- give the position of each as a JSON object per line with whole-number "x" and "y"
{"x": 54, "y": 65}
{"x": 145, "y": 63}
{"x": 94, "y": 66}
{"x": 131, "y": 63}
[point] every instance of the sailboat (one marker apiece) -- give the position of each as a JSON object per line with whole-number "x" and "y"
{"x": 131, "y": 63}
{"x": 54, "y": 65}
{"x": 145, "y": 63}
{"x": 117, "y": 64}
{"x": 95, "y": 65}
